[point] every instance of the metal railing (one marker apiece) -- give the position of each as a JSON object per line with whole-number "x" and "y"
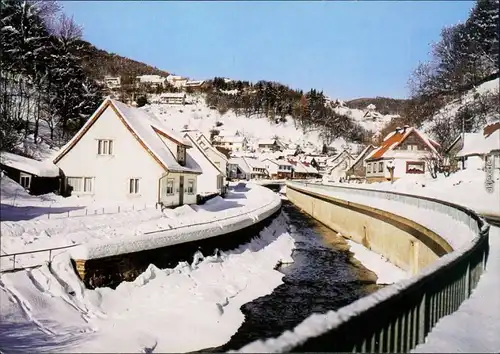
{"x": 37, "y": 263}
{"x": 397, "y": 318}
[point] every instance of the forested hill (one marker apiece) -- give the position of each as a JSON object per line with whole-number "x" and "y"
{"x": 384, "y": 105}
{"x": 99, "y": 63}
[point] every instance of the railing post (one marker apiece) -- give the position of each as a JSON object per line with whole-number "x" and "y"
{"x": 467, "y": 281}
{"x": 50, "y": 255}
{"x": 422, "y": 319}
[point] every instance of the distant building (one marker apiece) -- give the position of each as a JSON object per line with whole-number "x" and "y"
{"x": 112, "y": 82}
{"x": 259, "y": 170}
{"x": 195, "y": 85}
{"x": 176, "y": 81}
{"x": 278, "y": 169}
{"x": 340, "y": 164}
{"x": 153, "y": 80}
{"x": 173, "y": 98}
{"x": 233, "y": 143}
{"x": 358, "y": 166}
{"x": 270, "y": 144}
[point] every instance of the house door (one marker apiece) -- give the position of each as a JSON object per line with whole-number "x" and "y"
{"x": 181, "y": 190}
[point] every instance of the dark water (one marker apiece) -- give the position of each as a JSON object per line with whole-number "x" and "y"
{"x": 323, "y": 277}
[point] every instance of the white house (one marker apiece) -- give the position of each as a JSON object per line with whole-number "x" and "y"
{"x": 218, "y": 158}
{"x": 243, "y": 170}
{"x": 112, "y": 82}
{"x": 406, "y": 149}
{"x": 233, "y": 143}
{"x": 172, "y": 98}
{"x": 470, "y": 149}
{"x": 213, "y": 176}
{"x": 340, "y": 164}
{"x": 176, "y": 81}
{"x": 125, "y": 153}
{"x": 153, "y": 80}
{"x": 259, "y": 170}
{"x": 270, "y": 144}
{"x": 278, "y": 169}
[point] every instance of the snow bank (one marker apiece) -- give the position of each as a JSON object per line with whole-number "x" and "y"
{"x": 190, "y": 307}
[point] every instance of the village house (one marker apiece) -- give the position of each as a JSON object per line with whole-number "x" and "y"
{"x": 125, "y": 153}
{"x": 233, "y": 143}
{"x": 259, "y": 170}
{"x": 243, "y": 169}
{"x": 270, "y": 145}
{"x": 176, "y": 81}
{"x": 469, "y": 150}
{"x": 195, "y": 85}
{"x": 37, "y": 177}
{"x": 152, "y": 80}
{"x": 357, "y": 171}
{"x": 112, "y": 82}
{"x": 278, "y": 169}
{"x": 174, "y": 98}
{"x": 218, "y": 158}
{"x": 406, "y": 151}
{"x": 212, "y": 179}
{"x": 340, "y": 164}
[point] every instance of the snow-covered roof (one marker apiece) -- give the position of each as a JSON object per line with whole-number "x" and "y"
{"x": 279, "y": 162}
{"x": 254, "y": 163}
{"x": 364, "y": 154}
{"x": 195, "y": 83}
{"x": 395, "y": 138}
{"x": 25, "y": 164}
{"x": 268, "y": 141}
{"x": 477, "y": 143}
{"x": 242, "y": 164}
{"x": 202, "y": 152}
{"x": 173, "y": 95}
{"x": 199, "y": 136}
{"x": 147, "y": 129}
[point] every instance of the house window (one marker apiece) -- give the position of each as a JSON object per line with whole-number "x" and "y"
{"x": 170, "y": 186}
{"x": 417, "y": 167}
{"x": 190, "y": 187}
{"x": 133, "y": 186}
{"x": 368, "y": 168}
{"x": 380, "y": 166}
{"x": 104, "y": 147}
{"x": 25, "y": 180}
{"x": 412, "y": 147}
{"x": 81, "y": 184}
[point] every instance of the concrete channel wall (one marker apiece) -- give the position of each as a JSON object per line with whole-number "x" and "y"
{"x": 403, "y": 242}
{"x": 398, "y": 317}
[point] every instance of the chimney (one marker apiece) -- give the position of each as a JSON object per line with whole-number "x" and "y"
{"x": 398, "y": 129}
{"x": 405, "y": 127}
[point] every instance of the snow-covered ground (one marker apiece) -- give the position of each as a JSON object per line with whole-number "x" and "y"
{"x": 191, "y": 307}
{"x": 26, "y": 225}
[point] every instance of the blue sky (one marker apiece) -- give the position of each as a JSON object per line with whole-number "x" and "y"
{"x": 348, "y": 49}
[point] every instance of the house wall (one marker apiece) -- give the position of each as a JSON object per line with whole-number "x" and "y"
{"x": 412, "y": 139}
{"x": 111, "y": 173}
{"x": 271, "y": 167}
{"x": 214, "y": 156}
{"x": 172, "y": 200}
{"x": 207, "y": 181}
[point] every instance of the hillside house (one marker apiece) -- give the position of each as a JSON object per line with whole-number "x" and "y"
{"x": 213, "y": 176}
{"x": 152, "y": 80}
{"x": 233, "y": 143}
{"x": 125, "y": 153}
{"x": 339, "y": 165}
{"x": 174, "y": 98}
{"x": 176, "y": 81}
{"x": 278, "y": 169}
{"x": 195, "y": 85}
{"x": 37, "y": 177}
{"x": 112, "y": 82}
{"x": 270, "y": 145}
{"x": 406, "y": 149}
{"x": 469, "y": 150}
{"x": 357, "y": 171}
